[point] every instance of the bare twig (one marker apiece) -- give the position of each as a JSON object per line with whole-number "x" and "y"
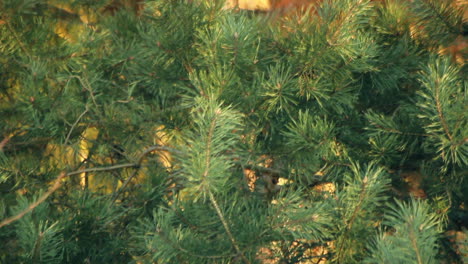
{"x": 115, "y": 167}
{"x": 74, "y": 125}
{"x": 140, "y": 161}
{"x": 87, "y": 86}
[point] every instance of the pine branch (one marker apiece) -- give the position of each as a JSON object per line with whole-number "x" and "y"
{"x": 31, "y": 207}
{"x": 415, "y": 229}
{"x": 443, "y": 101}
{"x": 18, "y": 40}
{"x": 208, "y": 149}
{"x": 37, "y": 248}
{"x": 230, "y": 86}
{"x": 188, "y": 252}
{"x": 414, "y": 243}
{"x": 340, "y": 252}
{"x": 226, "y": 227}
{"x": 209, "y": 141}
{"x": 360, "y": 201}
{"x": 439, "y": 109}
{"x": 57, "y": 183}
{"x": 388, "y": 124}
{"x": 439, "y": 13}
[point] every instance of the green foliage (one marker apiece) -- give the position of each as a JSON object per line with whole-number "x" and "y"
{"x": 412, "y": 235}
{"x": 359, "y": 204}
{"x": 39, "y": 240}
{"x": 191, "y": 133}
{"x": 439, "y": 19}
{"x": 443, "y": 102}
{"x": 207, "y": 163}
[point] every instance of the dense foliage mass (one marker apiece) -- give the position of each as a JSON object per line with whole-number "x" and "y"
{"x": 176, "y": 131}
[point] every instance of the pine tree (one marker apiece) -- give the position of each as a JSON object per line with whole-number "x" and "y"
{"x": 177, "y": 131}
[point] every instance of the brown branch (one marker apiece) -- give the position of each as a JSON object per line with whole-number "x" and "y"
{"x": 138, "y": 165}
{"x": 62, "y": 175}
{"x": 74, "y": 125}
{"x": 5, "y": 141}
{"x": 115, "y": 167}
{"x": 31, "y": 207}
{"x": 7, "y": 138}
